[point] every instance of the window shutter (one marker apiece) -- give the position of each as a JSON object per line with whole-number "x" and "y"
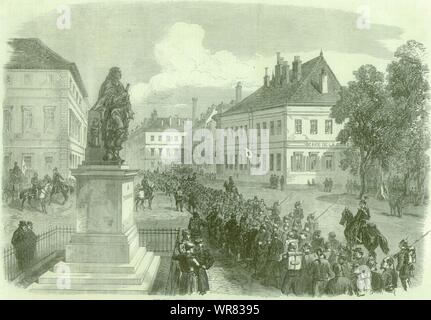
{"x": 291, "y": 164}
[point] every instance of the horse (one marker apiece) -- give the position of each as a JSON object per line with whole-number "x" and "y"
{"x": 142, "y": 195}
{"x": 44, "y": 196}
{"x": 369, "y": 235}
{"x": 62, "y": 188}
{"x": 41, "y": 195}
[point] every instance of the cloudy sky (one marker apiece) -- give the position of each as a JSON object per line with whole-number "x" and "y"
{"x": 172, "y": 51}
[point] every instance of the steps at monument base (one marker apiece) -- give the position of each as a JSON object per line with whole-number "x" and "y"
{"x": 105, "y": 278}
{"x": 109, "y": 267}
{"x": 140, "y": 281}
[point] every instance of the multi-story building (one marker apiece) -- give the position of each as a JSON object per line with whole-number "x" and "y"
{"x": 156, "y": 144}
{"x": 294, "y": 105}
{"x": 44, "y": 110}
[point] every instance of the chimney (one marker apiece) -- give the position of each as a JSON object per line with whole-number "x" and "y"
{"x": 285, "y": 73}
{"x": 194, "y": 108}
{"x": 278, "y": 57}
{"x": 296, "y": 68}
{"x": 238, "y": 89}
{"x": 266, "y": 78}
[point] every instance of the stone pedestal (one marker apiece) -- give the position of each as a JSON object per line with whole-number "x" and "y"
{"x": 104, "y": 254}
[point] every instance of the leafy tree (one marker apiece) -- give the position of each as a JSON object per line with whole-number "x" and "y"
{"x": 408, "y": 140}
{"x": 361, "y": 109}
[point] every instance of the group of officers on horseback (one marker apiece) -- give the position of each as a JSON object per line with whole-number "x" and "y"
{"x": 40, "y": 189}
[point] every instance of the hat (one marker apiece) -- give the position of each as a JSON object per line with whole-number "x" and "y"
{"x": 332, "y": 234}
{"x": 22, "y": 223}
{"x": 29, "y": 223}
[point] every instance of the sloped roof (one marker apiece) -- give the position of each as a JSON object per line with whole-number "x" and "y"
{"x": 306, "y": 90}
{"x": 32, "y": 53}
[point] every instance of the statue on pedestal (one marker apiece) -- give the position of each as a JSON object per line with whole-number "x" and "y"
{"x": 109, "y": 120}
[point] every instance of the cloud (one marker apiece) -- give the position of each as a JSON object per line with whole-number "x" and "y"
{"x": 184, "y": 61}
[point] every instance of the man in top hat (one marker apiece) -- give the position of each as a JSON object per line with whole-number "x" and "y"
{"x": 19, "y": 244}
{"x": 31, "y": 242}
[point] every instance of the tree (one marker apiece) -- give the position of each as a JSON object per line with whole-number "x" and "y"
{"x": 408, "y": 88}
{"x": 361, "y": 109}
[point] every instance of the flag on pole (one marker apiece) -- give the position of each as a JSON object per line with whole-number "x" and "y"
{"x": 248, "y": 153}
{"x": 23, "y": 167}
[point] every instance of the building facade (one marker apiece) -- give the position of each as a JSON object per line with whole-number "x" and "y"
{"x": 157, "y": 144}
{"x": 44, "y": 110}
{"x": 294, "y": 106}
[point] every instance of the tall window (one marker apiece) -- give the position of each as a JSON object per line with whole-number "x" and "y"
{"x": 312, "y": 161}
{"x": 263, "y": 125}
{"x": 27, "y": 119}
{"x": 152, "y": 138}
{"x": 278, "y": 162}
{"x": 328, "y": 126}
{"x": 152, "y": 152}
{"x": 271, "y": 162}
{"x": 258, "y": 129}
{"x": 313, "y": 126}
{"x": 7, "y": 121}
{"x": 297, "y": 162}
{"x": 160, "y": 151}
{"x": 298, "y": 126}
{"x": 329, "y": 165}
{"x": 278, "y": 128}
{"x": 48, "y": 119}
{"x": 271, "y": 128}
{"x": 160, "y": 138}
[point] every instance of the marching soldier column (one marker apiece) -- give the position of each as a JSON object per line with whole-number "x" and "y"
{"x": 283, "y": 252}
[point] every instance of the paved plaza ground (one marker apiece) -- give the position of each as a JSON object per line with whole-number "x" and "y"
{"x": 225, "y": 276}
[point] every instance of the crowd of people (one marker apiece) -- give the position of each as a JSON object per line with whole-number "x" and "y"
{"x": 24, "y": 242}
{"x": 286, "y": 252}
{"x": 275, "y": 182}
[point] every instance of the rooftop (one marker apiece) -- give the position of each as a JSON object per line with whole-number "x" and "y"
{"x": 32, "y": 53}
{"x": 301, "y": 91}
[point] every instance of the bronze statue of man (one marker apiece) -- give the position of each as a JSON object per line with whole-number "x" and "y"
{"x": 114, "y": 107}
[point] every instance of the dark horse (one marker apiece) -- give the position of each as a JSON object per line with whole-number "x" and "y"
{"x": 368, "y": 235}
{"x": 62, "y": 188}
